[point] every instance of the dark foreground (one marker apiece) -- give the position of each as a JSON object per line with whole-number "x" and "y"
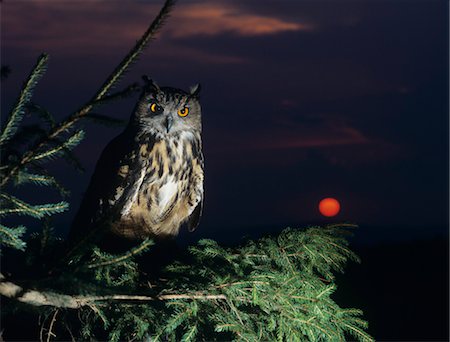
{"x": 402, "y": 289}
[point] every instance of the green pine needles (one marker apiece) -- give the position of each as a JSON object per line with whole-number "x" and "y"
{"x": 277, "y": 288}
{"x": 16, "y": 115}
{"x": 273, "y": 289}
{"x": 27, "y": 170}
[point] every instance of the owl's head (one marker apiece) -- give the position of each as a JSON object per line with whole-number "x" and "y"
{"x": 166, "y": 111}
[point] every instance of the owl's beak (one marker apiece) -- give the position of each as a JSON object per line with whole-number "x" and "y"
{"x": 169, "y": 122}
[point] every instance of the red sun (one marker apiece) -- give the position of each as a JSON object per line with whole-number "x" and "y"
{"x": 329, "y": 207}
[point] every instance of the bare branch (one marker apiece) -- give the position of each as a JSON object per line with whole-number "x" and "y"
{"x": 58, "y": 300}
{"x": 50, "y": 333}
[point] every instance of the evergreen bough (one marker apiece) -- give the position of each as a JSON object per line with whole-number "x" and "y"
{"x": 272, "y": 289}
{"x": 275, "y": 288}
{"x": 28, "y": 170}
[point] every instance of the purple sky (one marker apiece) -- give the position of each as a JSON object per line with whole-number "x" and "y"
{"x": 301, "y": 100}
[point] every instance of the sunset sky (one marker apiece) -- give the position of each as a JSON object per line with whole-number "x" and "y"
{"x": 301, "y": 100}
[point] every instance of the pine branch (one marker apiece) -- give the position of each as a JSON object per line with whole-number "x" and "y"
{"x": 358, "y": 333}
{"x": 24, "y": 177}
{"x": 190, "y": 334}
{"x": 110, "y": 260}
{"x": 37, "y": 211}
{"x": 41, "y": 179}
{"x": 24, "y": 134}
{"x": 110, "y": 82}
{"x": 43, "y": 113}
{"x": 12, "y": 237}
{"x": 136, "y": 51}
{"x": 54, "y": 152}
{"x": 131, "y": 89}
{"x": 16, "y": 114}
{"x": 70, "y": 157}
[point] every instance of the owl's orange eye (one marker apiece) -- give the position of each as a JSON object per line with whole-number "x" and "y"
{"x": 155, "y": 108}
{"x": 183, "y": 112}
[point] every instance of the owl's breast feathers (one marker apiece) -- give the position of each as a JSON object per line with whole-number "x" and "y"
{"x": 145, "y": 186}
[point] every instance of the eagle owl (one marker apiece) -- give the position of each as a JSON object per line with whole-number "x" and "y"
{"x": 149, "y": 179}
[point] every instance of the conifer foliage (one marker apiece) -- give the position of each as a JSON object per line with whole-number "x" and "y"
{"x": 275, "y": 288}
{"x": 29, "y": 169}
{"x": 272, "y": 289}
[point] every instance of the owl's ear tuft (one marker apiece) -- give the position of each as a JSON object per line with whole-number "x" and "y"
{"x": 149, "y": 85}
{"x": 195, "y": 90}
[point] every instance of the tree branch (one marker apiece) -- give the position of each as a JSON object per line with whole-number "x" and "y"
{"x": 58, "y": 300}
{"x": 101, "y": 93}
{"x": 134, "y": 251}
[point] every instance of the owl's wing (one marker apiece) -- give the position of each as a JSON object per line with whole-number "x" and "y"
{"x": 194, "y": 218}
{"x": 196, "y": 214}
{"x": 105, "y": 181}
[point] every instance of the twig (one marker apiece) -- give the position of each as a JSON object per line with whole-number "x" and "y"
{"x": 185, "y": 296}
{"x": 341, "y": 225}
{"x": 41, "y": 331}
{"x": 121, "y": 94}
{"x": 51, "y": 326}
{"x": 242, "y": 283}
{"x": 69, "y": 331}
{"x": 126, "y": 256}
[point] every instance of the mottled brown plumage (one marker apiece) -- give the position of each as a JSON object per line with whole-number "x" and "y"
{"x": 149, "y": 179}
